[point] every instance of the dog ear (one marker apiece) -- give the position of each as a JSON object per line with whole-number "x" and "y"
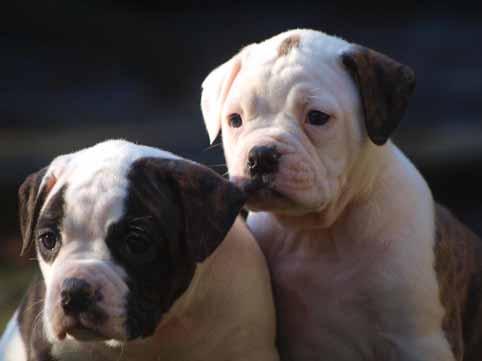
{"x": 209, "y": 203}
{"x": 215, "y": 89}
{"x": 385, "y": 86}
{"x": 30, "y": 201}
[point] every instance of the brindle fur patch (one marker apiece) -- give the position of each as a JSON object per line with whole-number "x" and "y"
{"x": 458, "y": 264}
{"x": 51, "y": 218}
{"x": 31, "y": 323}
{"x": 288, "y": 44}
{"x": 385, "y": 87}
{"x": 30, "y": 201}
{"x": 185, "y": 210}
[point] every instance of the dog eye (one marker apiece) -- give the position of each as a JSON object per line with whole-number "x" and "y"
{"x": 138, "y": 245}
{"x": 316, "y": 117}
{"x": 49, "y": 239}
{"x": 234, "y": 120}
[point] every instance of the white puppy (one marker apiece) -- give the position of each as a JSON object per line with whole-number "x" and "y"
{"x": 364, "y": 265}
{"x": 141, "y": 258}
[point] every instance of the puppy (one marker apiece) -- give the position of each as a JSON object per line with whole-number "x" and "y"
{"x": 365, "y": 266}
{"x": 141, "y": 258}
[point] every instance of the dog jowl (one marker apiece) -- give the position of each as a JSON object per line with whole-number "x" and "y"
{"x": 118, "y": 234}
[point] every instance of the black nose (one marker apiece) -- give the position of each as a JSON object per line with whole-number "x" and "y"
{"x": 262, "y": 160}
{"x": 75, "y": 296}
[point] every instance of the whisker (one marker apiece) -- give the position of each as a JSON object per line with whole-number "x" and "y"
{"x": 218, "y": 165}
{"x": 37, "y": 320}
{"x": 212, "y": 146}
{"x": 34, "y": 304}
{"x": 139, "y": 219}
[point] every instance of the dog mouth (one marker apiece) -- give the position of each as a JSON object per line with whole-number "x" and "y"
{"x": 85, "y": 334}
{"x": 260, "y": 190}
{"x": 256, "y": 184}
{"x": 80, "y": 331}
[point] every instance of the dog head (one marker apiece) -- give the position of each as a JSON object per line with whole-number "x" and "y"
{"x": 299, "y": 114}
{"x": 119, "y": 230}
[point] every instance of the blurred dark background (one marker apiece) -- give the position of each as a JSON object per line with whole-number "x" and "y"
{"x": 73, "y": 73}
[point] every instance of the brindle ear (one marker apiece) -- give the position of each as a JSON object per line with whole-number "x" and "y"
{"x": 30, "y": 201}
{"x": 385, "y": 86}
{"x": 210, "y": 203}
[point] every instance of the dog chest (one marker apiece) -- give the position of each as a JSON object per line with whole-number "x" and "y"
{"x": 360, "y": 303}
{"x": 332, "y": 310}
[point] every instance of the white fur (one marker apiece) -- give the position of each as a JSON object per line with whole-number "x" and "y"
{"x": 12, "y": 347}
{"x": 350, "y": 244}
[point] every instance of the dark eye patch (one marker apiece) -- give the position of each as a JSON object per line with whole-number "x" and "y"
{"x": 157, "y": 275}
{"x": 49, "y": 226}
{"x": 139, "y": 242}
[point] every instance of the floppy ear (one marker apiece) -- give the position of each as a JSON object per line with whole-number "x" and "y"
{"x": 209, "y": 203}
{"x": 385, "y": 86}
{"x": 215, "y": 89}
{"x": 30, "y": 201}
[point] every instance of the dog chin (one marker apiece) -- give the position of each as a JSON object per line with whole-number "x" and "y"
{"x": 68, "y": 328}
{"x": 264, "y": 195}
{"x": 86, "y": 335}
{"x": 268, "y": 199}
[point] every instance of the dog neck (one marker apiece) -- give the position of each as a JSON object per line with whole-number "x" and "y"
{"x": 364, "y": 210}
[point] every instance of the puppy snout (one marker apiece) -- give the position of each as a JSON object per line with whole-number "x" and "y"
{"x": 76, "y": 296}
{"x": 263, "y": 160}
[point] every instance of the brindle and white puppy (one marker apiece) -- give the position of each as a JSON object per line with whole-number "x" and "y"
{"x": 365, "y": 266}
{"x": 141, "y": 258}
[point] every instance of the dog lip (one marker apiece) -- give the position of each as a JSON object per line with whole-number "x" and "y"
{"x": 252, "y": 185}
{"x": 76, "y": 329}
{"x": 82, "y": 333}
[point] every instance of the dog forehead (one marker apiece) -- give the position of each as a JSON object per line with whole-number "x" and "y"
{"x": 289, "y": 57}
{"x": 315, "y": 44}
{"x": 113, "y": 155}
{"x": 95, "y": 181}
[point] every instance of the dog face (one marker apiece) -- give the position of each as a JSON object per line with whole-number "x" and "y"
{"x": 118, "y": 229}
{"x": 296, "y": 111}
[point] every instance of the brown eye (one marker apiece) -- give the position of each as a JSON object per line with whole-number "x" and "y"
{"x": 316, "y": 117}
{"x": 49, "y": 239}
{"x": 234, "y": 120}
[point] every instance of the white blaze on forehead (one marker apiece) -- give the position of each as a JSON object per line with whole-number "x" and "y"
{"x": 114, "y": 155}
{"x": 102, "y": 166}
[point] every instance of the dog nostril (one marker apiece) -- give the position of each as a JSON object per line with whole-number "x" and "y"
{"x": 75, "y": 296}
{"x": 263, "y": 160}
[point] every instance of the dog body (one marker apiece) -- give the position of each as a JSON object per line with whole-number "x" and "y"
{"x": 349, "y": 226}
{"x": 141, "y": 258}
